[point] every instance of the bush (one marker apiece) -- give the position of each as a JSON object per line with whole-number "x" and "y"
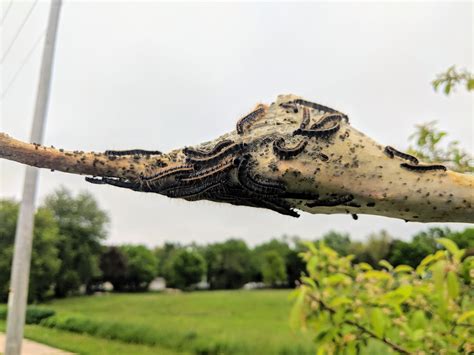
{"x": 34, "y": 315}
{"x": 356, "y": 309}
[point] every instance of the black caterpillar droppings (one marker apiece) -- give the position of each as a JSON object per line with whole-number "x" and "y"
{"x": 132, "y": 152}
{"x": 249, "y": 119}
{"x": 331, "y": 202}
{"x": 422, "y": 168}
{"x": 196, "y": 153}
{"x": 392, "y": 152}
{"x": 284, "y": 153}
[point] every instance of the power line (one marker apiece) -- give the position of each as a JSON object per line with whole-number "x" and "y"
{"x": 6, "y": 12}
{"x": 22, "y": 65}
{"x": 18, "y": 31}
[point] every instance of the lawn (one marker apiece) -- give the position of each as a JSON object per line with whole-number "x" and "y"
{"x": 224, "y": 322}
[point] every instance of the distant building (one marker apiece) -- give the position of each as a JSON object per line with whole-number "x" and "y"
{"x": 158, "y": 284}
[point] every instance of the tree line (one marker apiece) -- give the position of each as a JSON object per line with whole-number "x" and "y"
{"x": 69, "y": 256}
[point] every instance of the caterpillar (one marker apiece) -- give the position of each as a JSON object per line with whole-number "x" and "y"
{"x": 114, "y": 182}
{"x": 132, "y": 152}
{"x": 287, "y": 153}
{"x": 423, "y": 168}
{"x": 290, "y": 106}
{"x": 392, "y": 152}
{"x": 306, "y": 118}
{"x": 191, "y": 190}
{"x": 331, "y": 202}
{"x": 255, "y": 184}
{"x": 250, "y": 118}
{"x": 221, "y": 153}
{"x": 321, "y": 133}
{"x": 171, "y": 171}
{"x": 205, "y": 173}
{"x": 196, "y": 153}
{"x": 332, "y": 117}
{"x": 277, "y": 205}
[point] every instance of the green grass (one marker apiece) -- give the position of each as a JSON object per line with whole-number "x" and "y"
{"x": 84, "y": 344}
{"x": 224, "y": 322}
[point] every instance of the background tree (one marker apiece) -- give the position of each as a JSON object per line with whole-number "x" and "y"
{"x": 228, "y": 265}
{"x": 376, "y": 248}
{"x": 279, "y": 246}
{"x": 273, "y": 268}
{"x": 82, "y": 227}
{"x": 114, "y": 267}
{"x": 163, "y": 254}
{"x": 185, "y": 268}
{"x": 340, "y": 242}
{"x": 141, "y": 268}
{"x": 45, "y": 263}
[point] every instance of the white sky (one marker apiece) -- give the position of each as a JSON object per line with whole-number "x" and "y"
{"x": 156, "y": 75}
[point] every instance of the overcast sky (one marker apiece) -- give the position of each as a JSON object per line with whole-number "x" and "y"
{"x": 163, "y": 75}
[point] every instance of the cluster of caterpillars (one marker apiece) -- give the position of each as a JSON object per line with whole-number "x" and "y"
{"x": 225, "y": 173}
{"x": 413, "y": 161}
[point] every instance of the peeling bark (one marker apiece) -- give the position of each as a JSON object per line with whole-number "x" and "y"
{"x": 291, "y": 155}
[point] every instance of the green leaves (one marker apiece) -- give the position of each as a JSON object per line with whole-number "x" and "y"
{"x": 357, "y": 309}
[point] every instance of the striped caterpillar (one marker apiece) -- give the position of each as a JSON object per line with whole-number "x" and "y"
{"x": 250, "y": 118}
{"x": 192, "y": 190}
{"x": 114, "y": 182}
{"x": 331, "y": 202}
{"x": 219, "y": 154}
{"x": 199, "y": 154}
{"x": 332, "y": 117}
{"x": 213, "y": 170}
{"x": 306, "y": 118}
{"x": 132, "y": 152}
{"x": 287, "y": 153}
{"x": 423, "y": 168}
{"x": 392, "y": 152}
{"x": 256, "y": 184}
{"x": 171, "y": 171}
{"x": 320, "y": 133}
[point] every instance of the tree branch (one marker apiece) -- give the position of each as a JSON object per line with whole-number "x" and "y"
{"x": 292, "y": 155}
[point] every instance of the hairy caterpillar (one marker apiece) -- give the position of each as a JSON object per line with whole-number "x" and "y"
{"x": 392, "y": 152}
{"x": 132, "y": 152}
{"x": 256, "y": 184}
{"x": 250, "y": 118}
{"x": 191, "y": 190}
{"x": 114, "y": 182}
{"x": 306, "y": 118}
{"x": 205, "y": 173}
{"x": 221, "y": 153}
{"x": 332, "y": 117}
{"x": 320, "y": 133}
{"x": 196, "y": 153}
{"x": 171, "y": 171}
{"x": 287, "y": 153}
{"x": 423, "y": 168}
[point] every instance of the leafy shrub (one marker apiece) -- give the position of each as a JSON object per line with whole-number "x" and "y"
{"x": 357, "y": 309}
{"x": 34, "y": 315}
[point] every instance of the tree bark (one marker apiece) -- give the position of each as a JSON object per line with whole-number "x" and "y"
{"x": 291, "y": 155}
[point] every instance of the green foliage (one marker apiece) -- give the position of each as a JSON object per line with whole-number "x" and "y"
{"x": 114, "y": 267}
{"x": 185, "y": 269}
{"x": 340, "y": 242}
{"x": 354, "y": 308}
{"x": 429, "y": 146}
{"x": 44, "y": 263}
{"x": 376, "y": 248}
{"x": 273, "y": 268}
{"x": 34, "y": 314}
{"x": 82, "y": 226}
{"x": 228, "y": 264}
{"x": 452, "y": 78}
{"x": 141, "y": 267}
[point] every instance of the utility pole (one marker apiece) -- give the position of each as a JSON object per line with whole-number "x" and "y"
{"x": 18, "y": 296}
